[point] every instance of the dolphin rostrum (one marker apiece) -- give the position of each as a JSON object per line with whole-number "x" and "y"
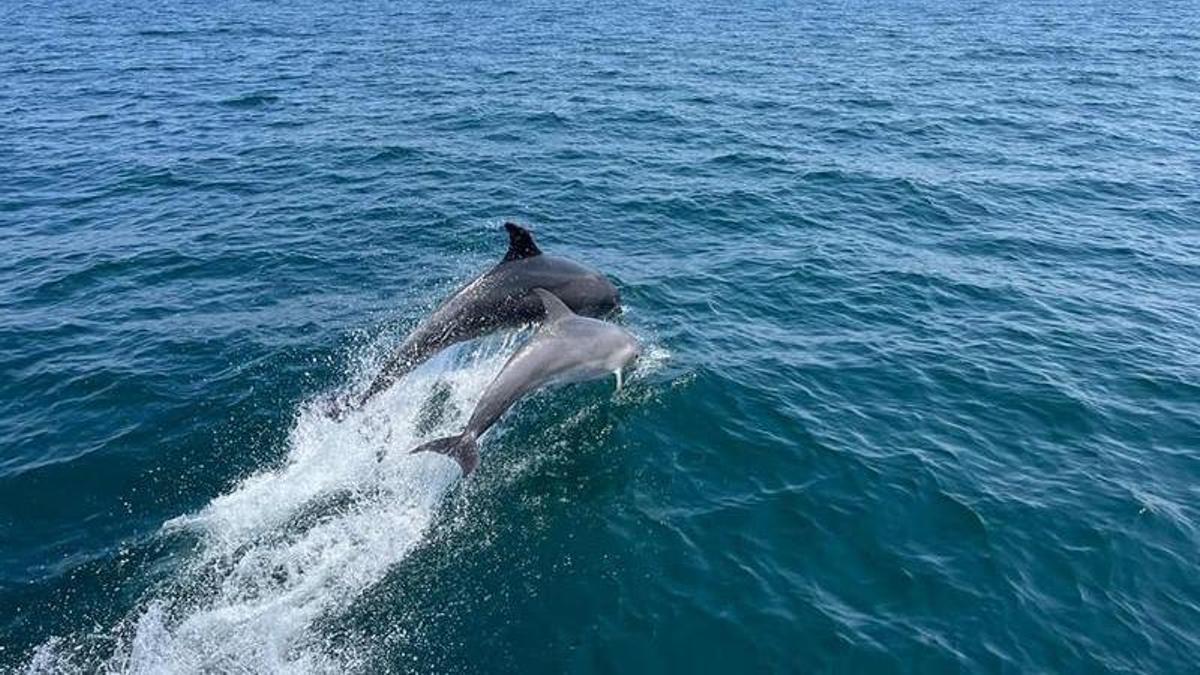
{"x": 499, "y": 298}
{"x": 566, "y": 348}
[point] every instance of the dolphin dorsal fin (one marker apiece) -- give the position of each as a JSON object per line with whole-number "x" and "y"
{"x": 520, "y": 243}
{"x": 555, "y": 309}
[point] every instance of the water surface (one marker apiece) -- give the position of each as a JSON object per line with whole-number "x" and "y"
{"x": 919, "y": 282}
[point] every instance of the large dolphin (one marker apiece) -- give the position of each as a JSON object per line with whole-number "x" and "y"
{"x": 566, "y": 348}
{"x": 499, "y": 298}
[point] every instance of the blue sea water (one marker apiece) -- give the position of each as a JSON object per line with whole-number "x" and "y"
{"x": 919, "y": 283}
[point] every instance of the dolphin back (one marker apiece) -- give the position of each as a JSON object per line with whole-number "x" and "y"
{"x": 497, "y": 299}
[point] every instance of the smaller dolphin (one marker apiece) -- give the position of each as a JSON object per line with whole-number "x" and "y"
{"x": 566, "y": 348}
{"x": 497, "y": 299}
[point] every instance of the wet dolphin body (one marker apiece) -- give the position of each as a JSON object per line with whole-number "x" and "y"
{"x": 499, "y": 298}
{"x": 566, "y": 348}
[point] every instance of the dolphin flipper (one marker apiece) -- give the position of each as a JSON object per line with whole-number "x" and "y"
{"x": 462, "y": 448}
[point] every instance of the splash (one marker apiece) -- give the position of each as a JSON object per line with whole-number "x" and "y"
{"x": 290, "y": 546}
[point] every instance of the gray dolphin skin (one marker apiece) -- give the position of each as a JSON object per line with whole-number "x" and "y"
{"x": 497, "y": 299}
{"x": 566, "y": 348}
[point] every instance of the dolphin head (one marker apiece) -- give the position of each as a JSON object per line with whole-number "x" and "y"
{"x": 626, "y": 353}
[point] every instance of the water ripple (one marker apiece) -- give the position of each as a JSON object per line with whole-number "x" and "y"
{"x": 920, "y": 282}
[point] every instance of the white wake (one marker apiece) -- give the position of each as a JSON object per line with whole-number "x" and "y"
{"x": 298, "y": 543}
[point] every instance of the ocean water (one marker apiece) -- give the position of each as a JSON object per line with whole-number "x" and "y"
{"x": 919, "y": 283}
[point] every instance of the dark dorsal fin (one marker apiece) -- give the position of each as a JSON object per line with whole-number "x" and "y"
{"x": 520, "y": 243}
{"x": 555, "y": 309}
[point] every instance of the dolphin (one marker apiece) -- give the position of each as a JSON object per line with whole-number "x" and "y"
{"x": 497, "y": 299}
{"x": 566, "y": 348}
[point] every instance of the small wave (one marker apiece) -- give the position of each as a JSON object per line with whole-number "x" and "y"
{"x": 865, "y": 101}
{"x": 251, "y": 100}
{"x": 546, "y": 118}
{"x": 394, "y": 153}
{"x": 160, "y": 32}
{"x": 503, "y": 137}
{"x": 750, "y": 160}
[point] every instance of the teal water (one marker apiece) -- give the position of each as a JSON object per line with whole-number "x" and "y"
{"x": 919, "y": 283}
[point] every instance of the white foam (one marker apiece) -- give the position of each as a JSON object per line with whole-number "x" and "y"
{"x": 290, "y": 545}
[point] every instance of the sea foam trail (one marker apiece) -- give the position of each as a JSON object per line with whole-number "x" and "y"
{"x": 301, "y": 542}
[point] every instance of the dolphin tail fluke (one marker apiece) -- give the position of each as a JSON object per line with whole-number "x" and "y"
{"x": 462, "y": 448}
